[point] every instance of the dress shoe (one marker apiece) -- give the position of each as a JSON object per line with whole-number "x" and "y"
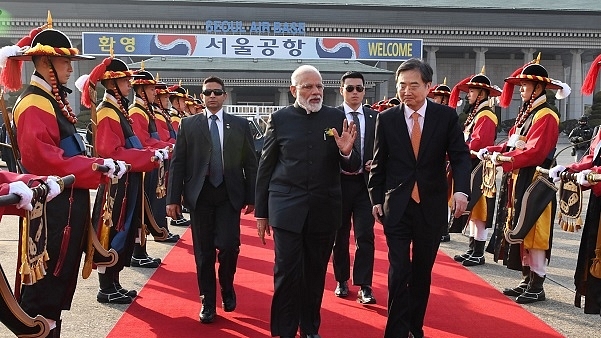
{"x": 365, "y": 296}
{"x": 411, "y": 335}
{"x": 180, "y": 221}
{"x": 341, "y": 289}
{"x": 171, "y": 238}
{"x": 229, "y": 300}
{"x": 112, "y": 296}
{"x": 145, "y": 262}
{"x": 315, "y": 335}
{"x": 207, "y": 314}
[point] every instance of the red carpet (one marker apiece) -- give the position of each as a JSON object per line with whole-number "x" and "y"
{"x": 168, "y": 305}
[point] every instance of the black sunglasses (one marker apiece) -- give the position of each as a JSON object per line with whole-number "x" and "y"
{"x": 217, "y": 92}
{"x": 350, "y": 88}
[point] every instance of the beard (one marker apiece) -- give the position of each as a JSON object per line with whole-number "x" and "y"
{"x": 310, "y": 107}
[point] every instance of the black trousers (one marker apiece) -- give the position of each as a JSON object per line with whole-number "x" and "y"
{"x": 356, "y": 205}
{"x": 215, "y": 227}
{"x": 301, "y": 262}
{"x": 410, "y": 275}
{"x": 54, "y": 293}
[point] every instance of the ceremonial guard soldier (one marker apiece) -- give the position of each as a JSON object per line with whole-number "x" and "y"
{"x": 587, "y": 277}
{"x": 531, "y": 143}
{"x": 145, "y": 127}
{"x": 479, "y": 131}
{"x": 118, "y": 223}
{"x": 50, "y": 145}
{"x": 161, "y": 112}
{"x": 177, "y": 97}
{"x": 441, "y": 93}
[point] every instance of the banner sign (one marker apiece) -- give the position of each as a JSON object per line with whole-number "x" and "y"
{"x": 251, "y": 46}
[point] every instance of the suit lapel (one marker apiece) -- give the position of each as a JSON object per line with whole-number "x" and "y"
{"x": 404, "y": 132}
{"x": 429, "y": 127}
{"x": 227, "y": 131}
{"x": 202, "y": 124}
{"x": 370, "y": 122}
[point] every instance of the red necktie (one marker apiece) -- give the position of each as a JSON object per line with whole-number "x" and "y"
{"x": 416, "y": 136}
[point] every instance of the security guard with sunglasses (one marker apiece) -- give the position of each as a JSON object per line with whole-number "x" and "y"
{"x": 356, "y": 205}
{"x": 216, "y": 150}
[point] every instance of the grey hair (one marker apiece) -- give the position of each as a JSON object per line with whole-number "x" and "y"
{"x": 302, "y": 70}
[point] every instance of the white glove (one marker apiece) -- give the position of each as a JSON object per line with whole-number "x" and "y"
{"x": 121, "y": 170}
{"x": 481, "y": 153}
{"x": 110, "y": 163}
{"x": 54, "y": 188}
{"x": 24, "y": 192}
{"x": 555, "y": 171}
{"x": 493, "y": 158}
{"x": 581, "y": 178}
{"x": 159, "y": 154}
{"x": 165, "y": 152}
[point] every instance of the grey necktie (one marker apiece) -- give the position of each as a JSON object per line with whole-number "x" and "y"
{"x": 357, "y": 143}
{"x": 216, "y": 165}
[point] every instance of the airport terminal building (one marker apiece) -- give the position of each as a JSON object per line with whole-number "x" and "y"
{"x": 254, "y": 45}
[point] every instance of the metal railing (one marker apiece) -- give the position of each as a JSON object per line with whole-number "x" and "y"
{"x": 251, "y": 111}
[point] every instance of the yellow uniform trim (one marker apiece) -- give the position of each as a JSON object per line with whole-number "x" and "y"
{"x": 34, "y": 100}
{"x": 135, "y": 110}
{"x": 109, "y": 113}
{"x": 488, "y": 114}
{"x": 544, "y": 112}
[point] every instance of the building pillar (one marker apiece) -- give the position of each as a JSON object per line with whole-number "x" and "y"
{"x": 381, "y": 89}
{"x": 431, "y": 60}
{"x": 75, "y": 98}
{"x": 575, "y": 108}
{"x": 562, "y": 105}
{"x": 283, "y": 99}
{"x": 231, "y": 97}
{"x": 480, "y": 58}
{"x": 528, "y": 54}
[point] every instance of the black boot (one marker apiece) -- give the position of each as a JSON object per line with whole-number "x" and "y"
{"x": 534, "y": 292}
{"x": 470, "y": 250}
{"x": 108, "y": 293}
{"x": 140, "y": 258}
{"x": 477, "y": 257}
{"x": 518, "y": 290}
{"x": 131, "y": 293}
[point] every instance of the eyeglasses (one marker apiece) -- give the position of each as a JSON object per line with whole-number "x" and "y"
{"x": 350, "y": 88}
{"x": 217, "y": 92}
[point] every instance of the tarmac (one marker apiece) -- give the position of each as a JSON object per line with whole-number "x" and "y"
{"x": 89, "y": 318}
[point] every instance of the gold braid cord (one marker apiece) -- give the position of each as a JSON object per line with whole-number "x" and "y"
{"x": 107, "y": 214}
{"x": 161, "y": 190}
{"x": 489, "y": 176}
{"x": 570, "y": 206}
{"x": 34, "y": 238}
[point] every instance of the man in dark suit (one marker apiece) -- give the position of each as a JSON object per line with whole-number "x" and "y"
{"x": 7, "y": 153}
{"x": 214, "y": 166}
{"x": 298, "y": 194}
{"x": 408, "y": 189}
{"x": 355, "y": 198}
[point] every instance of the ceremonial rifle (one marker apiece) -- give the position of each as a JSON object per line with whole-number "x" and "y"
{"x": 63, "y": 182}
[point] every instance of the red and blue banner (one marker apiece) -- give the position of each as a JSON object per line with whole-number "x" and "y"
{"x": 251, "y": 46}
